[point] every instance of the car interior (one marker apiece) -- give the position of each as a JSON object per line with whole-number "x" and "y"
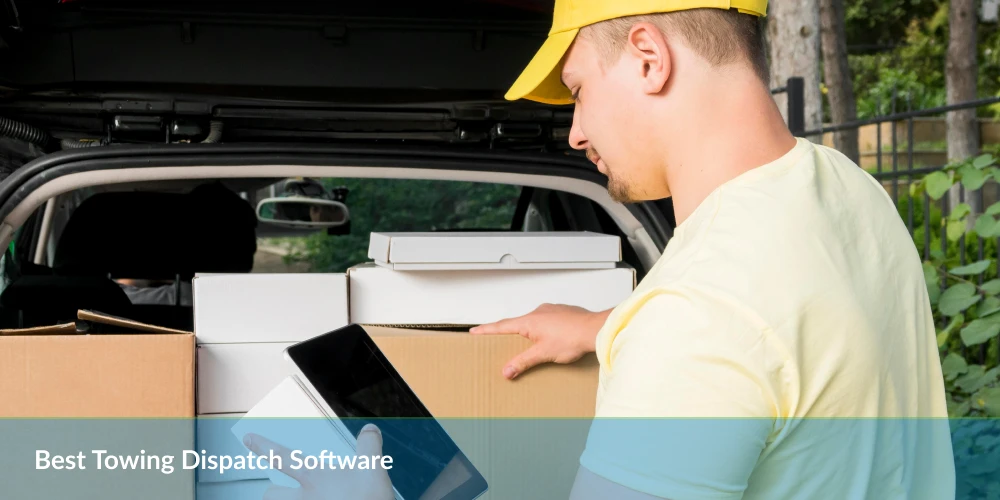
{"x": 87, "y": 248}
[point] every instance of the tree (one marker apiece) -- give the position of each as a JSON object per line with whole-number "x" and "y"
{"x": 837, "y": 75}
{"x": 793, "y": 40}
{"x": 960, "y": 82}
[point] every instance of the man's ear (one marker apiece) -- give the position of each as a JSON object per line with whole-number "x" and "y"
{"x": 647, "y": 45}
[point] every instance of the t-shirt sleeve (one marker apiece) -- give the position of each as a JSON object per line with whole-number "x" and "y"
{"x": 687, "y": 404}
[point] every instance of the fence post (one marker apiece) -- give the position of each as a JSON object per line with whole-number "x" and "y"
{"x": 796, "y": 90}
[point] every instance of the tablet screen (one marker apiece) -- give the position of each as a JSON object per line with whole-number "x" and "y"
{"x": 356, "y": 380}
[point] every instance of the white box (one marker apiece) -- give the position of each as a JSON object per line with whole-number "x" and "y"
{"x": 494, "y": 250}
{"x": 268, "y": 307}
{"x": 288, "y": 416}
{"x": 232, "y": 378}
{"x": 215, "y": 436}
{"x": 381, "y": 296}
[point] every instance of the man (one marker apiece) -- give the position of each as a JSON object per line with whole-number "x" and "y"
{"x": 790, "y": 300}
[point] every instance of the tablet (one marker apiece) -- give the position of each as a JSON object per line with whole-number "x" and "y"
{"x": 353, "y": 382}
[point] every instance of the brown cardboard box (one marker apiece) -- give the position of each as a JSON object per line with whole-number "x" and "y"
{"x": 59, "y": 372}
{"x": 121, "y": 390}
{"x": 526, "y": 435}
{"x": 459, "y": 375}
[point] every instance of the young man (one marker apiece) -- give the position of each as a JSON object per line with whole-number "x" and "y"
{"x": 790, "y": 301}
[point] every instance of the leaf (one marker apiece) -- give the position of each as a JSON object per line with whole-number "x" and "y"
{"x": 937, "y": 253}
{"x": 979, "y": 331}
{"x": 953, "y": 366}
{"x": 916, "y": 188}
{"x": 938, "y": 183}
{"x": 958, "y": 298}
{"x": 943, "y": 335}
{"x": 960, "y": 211}
{"x": 956, "y": 410}
{"x": 989, "y": 400}
{"x": 993, "y": 209}
{"x": 986, "y": 226}
{"x": 983, "y": 161}
{"x": 931, "y": 274}
{"x": 991, "y": 287}
{"x": 976, "y": 378}
{"x": 972, "y": 177}
{"x": 956, "y": 229}
{"x": 989, "y": 306}
{"x": 970, "y": 269}
{"x": 933, "y": 294}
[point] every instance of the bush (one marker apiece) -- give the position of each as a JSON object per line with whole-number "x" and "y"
{"x": 965, "y": 299}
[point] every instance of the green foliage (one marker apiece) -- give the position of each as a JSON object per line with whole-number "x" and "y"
{"x": 967, "y": 312}
{"x": 405, "y": 205}
{"x": 901, "y": 45}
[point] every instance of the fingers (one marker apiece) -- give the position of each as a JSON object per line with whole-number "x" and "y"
{"x": 533, "y": 356}
{"x": 369, "y": 441}
{"x": 263, "y": 447}
{"x": 502, "y": 327}
{"x": 275, "y": 492}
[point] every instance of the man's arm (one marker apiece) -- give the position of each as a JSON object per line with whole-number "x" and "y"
{"x": 688, "y": 401}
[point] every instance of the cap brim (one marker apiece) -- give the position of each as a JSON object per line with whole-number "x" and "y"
{"x": 541, "y": 81}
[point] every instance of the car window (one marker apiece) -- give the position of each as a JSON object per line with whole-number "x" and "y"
{"x": 389, "y": 205}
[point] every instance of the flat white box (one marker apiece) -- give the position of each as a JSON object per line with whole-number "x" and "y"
{"x": 494, "y": 250}
{"x": 232, "y": 378}
{"x": 268, "y": 307}
{"x": 381, "y": 296}
{"x": 215, "y": 436}
{"x": 273, "y": 418}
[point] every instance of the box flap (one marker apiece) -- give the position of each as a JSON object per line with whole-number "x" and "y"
{"x": 63, "y": 329}
{"x": 494, "y": 248}
{"x": 125, "y": 324}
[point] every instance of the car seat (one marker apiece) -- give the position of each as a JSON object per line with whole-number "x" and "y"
{"x": 148, "y": 236}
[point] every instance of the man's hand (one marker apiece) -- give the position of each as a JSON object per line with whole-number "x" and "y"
{"x": 322, "y": 484}
{"x": 561, "y": 334}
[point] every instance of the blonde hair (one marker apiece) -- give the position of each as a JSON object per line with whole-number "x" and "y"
{"x": 720, "y": 36}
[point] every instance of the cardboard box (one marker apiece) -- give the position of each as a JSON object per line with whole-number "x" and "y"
{"x": 59, "y": 372}
{"x": 381, "y": 296}
{"x": 232, "y": 378}
{"x": 494, "y": 250}
{"x": 458, "y": 377}
{"x": 232, "y": 308}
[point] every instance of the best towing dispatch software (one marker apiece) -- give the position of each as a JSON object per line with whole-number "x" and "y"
{"x": 191, "y": 459}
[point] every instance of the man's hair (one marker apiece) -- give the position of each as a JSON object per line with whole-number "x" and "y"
{"x": 720, "y": 36}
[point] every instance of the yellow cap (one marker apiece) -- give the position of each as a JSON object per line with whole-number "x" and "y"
{"x": 541, "y": 80}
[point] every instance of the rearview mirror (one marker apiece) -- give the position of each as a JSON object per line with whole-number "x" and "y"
{"x": 302, "y": 212}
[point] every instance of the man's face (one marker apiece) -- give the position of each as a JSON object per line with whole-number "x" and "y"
{"x": 609, "y": 123}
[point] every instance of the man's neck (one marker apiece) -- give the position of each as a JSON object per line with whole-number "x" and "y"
{"x": 739, "y": 128}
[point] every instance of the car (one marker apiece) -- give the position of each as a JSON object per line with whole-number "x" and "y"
{"x": 138, "y": 138}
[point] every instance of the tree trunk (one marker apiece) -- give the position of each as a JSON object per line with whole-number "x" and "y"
{"x": 837, "y": 75}
{"x": 960, "y": 76}
{"x": 793, "y": 40}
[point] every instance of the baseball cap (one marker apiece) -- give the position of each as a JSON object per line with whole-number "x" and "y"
{"x": 541, "y": 80}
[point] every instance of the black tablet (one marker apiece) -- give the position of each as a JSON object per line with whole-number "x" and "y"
{"x": 347, "y": 372}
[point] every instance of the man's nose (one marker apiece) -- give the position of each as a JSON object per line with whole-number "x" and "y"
{"x": 577, "y": 140}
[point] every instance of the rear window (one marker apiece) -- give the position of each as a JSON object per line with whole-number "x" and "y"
{"x": 389, "y": 205}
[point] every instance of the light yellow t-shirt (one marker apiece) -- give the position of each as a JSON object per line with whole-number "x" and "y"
{"x": 788, "y": 323}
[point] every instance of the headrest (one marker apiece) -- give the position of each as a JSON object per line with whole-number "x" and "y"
{"x": 150, "y": 235}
